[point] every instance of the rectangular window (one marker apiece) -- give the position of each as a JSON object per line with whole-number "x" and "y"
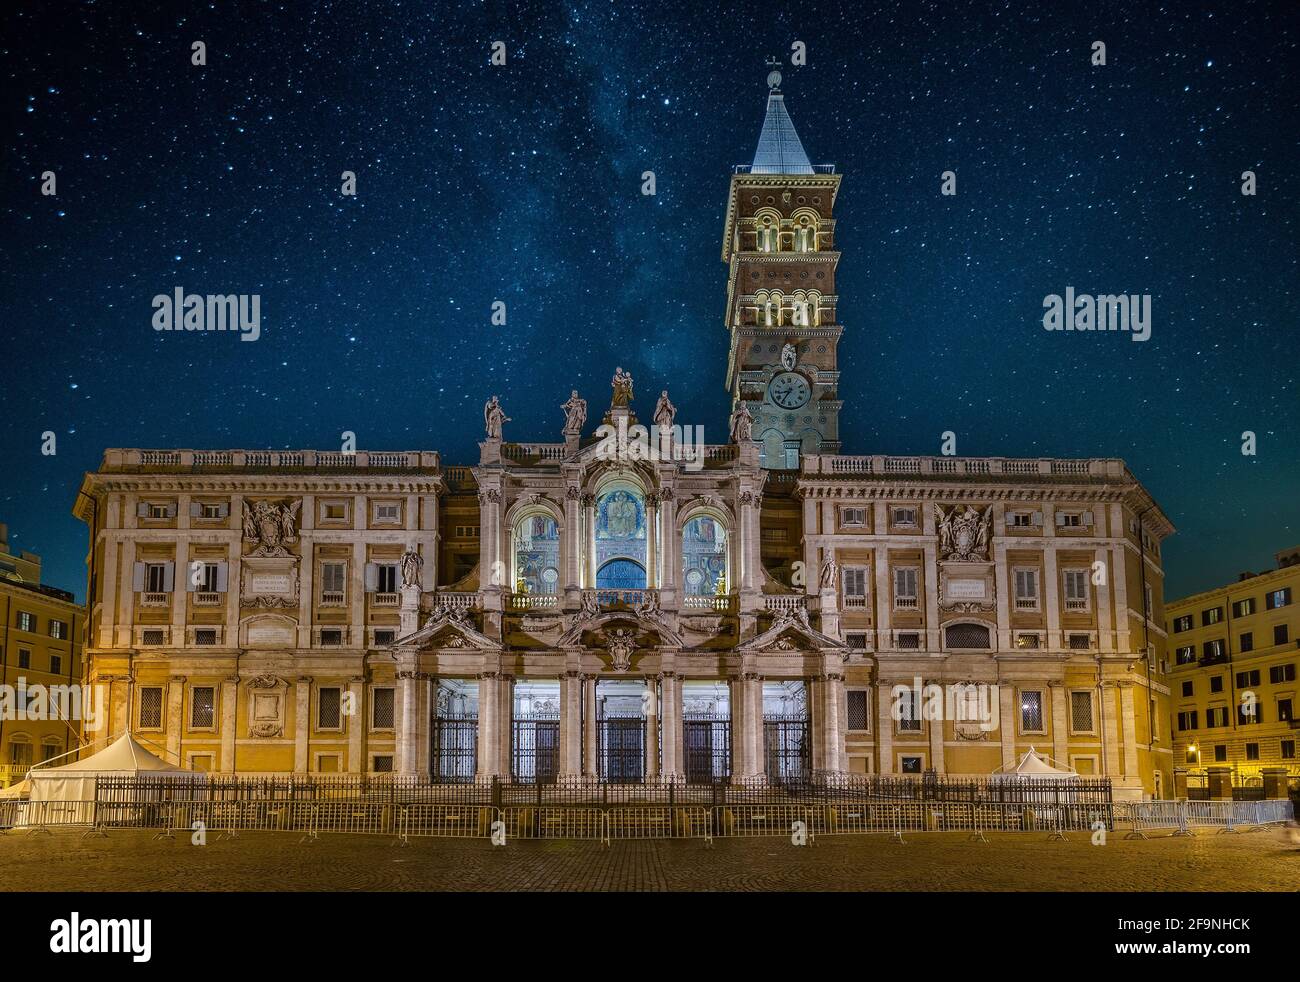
{"x": 857, "y": 709}
{"x": 904, "y": 517}
{"x": 156, "y": 578}
{"x": 1278, "y": 598}
{"x": 205, "y": 636}
{"x": 1243, "y": 608}
{"x": 856, "y": 640}
{"x": 26, "y": 622}
{"x": 1069, "y": 519}
{"x": 1028, "y": 640}
{"x": 1284, "y": 712}
{"x": 1185, "y": 655}
{"x": 329, "y": 708}
{"x": 1247, "y": 641}
{"x": 59, "y": 630}
{"x": 1281, "y": 673}
{"x": 24, "y": 658}
{"x": 56, "y": 665}
{"x": 1187, "y": 720}
{"x": 1250, "y": 712}
{"x": 1247, "y": 680}
{"x": 1216, "y": 716}
{"x": 333, "y": 583}
{"x": 905, "y": 587}
{"x": 334, "y": 511}
{"x": 151, "y": 702}
{"x": 1216, "y": 683}
{"x": 1079, "y": 642}
{"x": 1189, "y": 689}
{"x": 331, "y": 637}
{"x": 1076, "y": 589}
{"x": 211, "y": 510}
{"x": 1183, "y": 623}
{"x": 387, "y": 512}
{"x": 909, "y": 641}
{"x": 855, "y": 586}
{"x": 158, "y": 512}
{"x": 384, "y": 636}
{"x": 910, "y": 765}
{"x": 1081, "y": 711}
{"x": 1211, "y": 616}
{"x": 853, "y": 516}
{"x": 1031, "y": 712}
{"x": 383, "y": 763}
{"x": 1288, "y": 750}
{"x": 1026, "y": 589}
{"x": 381, "y": 709}
{"x": 203, "y": 701}
{"x": 385, "y": 577}
{"x": 1281, "y": 634}
{"x": 909, "y": 713}
{"x": 1020, "y": 520}
{"x": 1252, "y": 751}
{"x": 1220, "y": 753}
{"x": 1212, "y": 650}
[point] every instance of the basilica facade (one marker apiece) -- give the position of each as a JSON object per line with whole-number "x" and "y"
{"x": 628, "y": 604}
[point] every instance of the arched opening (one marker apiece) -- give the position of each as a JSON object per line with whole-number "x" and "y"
{"x": 621, "y": 538}
{"x": 704, "y": 557}
{"x": 536, "y": 554}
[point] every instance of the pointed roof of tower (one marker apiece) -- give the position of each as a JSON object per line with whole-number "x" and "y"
{"x": 779, "y": 150}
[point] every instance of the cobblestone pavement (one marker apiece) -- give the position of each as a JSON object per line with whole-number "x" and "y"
{"x": 131, "y": 860}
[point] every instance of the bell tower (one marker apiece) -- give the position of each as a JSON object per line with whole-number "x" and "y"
{"x": 779, "y": 244}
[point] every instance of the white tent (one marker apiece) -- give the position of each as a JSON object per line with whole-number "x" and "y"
{"x": 122, "y": 758}
{"x": 1034, "y": 766}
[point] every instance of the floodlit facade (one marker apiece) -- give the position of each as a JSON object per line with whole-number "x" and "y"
{"x": 629, "y": 603}
{"x": 40, "y": 640}
{"x": 1235, "y": 651}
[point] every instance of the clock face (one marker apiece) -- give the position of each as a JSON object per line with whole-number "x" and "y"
{"x": 789, "y": 390}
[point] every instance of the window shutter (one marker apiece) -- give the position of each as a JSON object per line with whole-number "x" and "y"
{"x": 171, "y": 510}
{"x": 169, "y": 577}
{"x": 137, "y": 578}
{"x": 223, "y": 571}
{"x": 1087, "y": 518}
{"x": 223, "y": 509}
{"x": 142, "y": 509}
{"x": 372, "y": 577}
{"x": 190, "y": 585}
{"x": 196, "y": 510}
{"x": 1038, "y": 519}
{"x": 1060, "y": 519}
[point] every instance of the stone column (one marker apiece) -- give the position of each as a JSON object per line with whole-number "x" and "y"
{"x": 407, "y": 680}
{"x": 1129, "y": 733}
{"x": 672, "y": 563}
{"x": 572, "y": 546}
{"x": 884, "y": 727}
{"x": 935, "y": 727}
{"x": 570, "y": 724}
{"x": 301, "y": 724}
{"x": 1060, "y": 723}
{"x": 652, "y": 730}
{"x": 358, "y": 724}
{"x": 489, "y": 712}
{"x": 505, "y": 717}
{"x": 835, "y": 722}
{"x": 1008, "y": 721}
{"x": 670, "y": 707}
{"x": 589, "y": 539}
{"x": 1051, "y": 583}
{"x": 229, "y": 708}
{"x": 752, "y": 687}
{"x": 1110, "y": 730}
{"x": 651, "y": 541}
{"x": 175, "y": 719}
{"x": 590, "y": 748}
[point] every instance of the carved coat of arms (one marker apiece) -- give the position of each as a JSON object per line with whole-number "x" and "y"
{"x": 964, "y": 533}
{"x": 271, "y": 527}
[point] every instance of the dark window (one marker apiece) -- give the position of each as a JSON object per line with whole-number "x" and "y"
{"x": 1243, "y": 608}
{"x": 1278, "y": 598}
{"x": 1183, "y": 623}
{"x": 56, "y": 665}
{"x": 24, "y": 658}
{"x": 1252, "y": 751}
{"x": 1247, "y": 679}
{"x": 1284, "y": 711}
{"x": 1282, "y": 673}
{"x": 1211, "y": 616}
{"x": 909, "y": 640}
{"x": 911, "y": 765}
{"x": 1288, "y": 750}
{"x": 1280, "y": 634}
{"x": 1220, "y": 753}
{"x": 1247, "y": 641}
{"x": 203, "y": 702}
{"x": 384, "y": 637}
{"x": 1185, "y": 655}
{"x": 1187, "y": 719}
{"x": 329, "y": 709}
{"x": 151, "y": 707}
{"x": 382, "y": 716}
{"x": 1248, "y": 713}
{"x": 26, "y": 622}
{"x": 383, "y": 763}
{"x": 967, "y": 636}
{"x": 1188, "y": 688}
{"x": 857, "y": 709}
{"x": 1216, "y": 683}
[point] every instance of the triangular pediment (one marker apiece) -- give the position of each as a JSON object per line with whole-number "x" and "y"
{"x": 587, "y": 629}
{"x": 450, "y": 629}
{"x": 790, "y": 631}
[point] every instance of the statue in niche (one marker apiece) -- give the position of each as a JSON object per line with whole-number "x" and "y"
{"x": 665, "y": 412}
{"x": 575, "y": 414}
{"x": 622, "y": 383}
{"x": 493, "y": 418}
{"x": 742, "y": 425}
{"x": 829, "y": 570}
{"x": 412, "y": 562}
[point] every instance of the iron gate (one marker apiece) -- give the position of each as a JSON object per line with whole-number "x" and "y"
{"x": 453, "y": 748}
{"x": 622, "y": 749}
{"x": 786, "y": 749}
{"x": 535, "y": 748}
{"x": 707, "y": 743}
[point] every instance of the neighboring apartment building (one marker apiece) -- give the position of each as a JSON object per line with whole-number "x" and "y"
{"x": 1236, "y": 652}
{"x": 558, "y": 610}
{"x": 41, "y": 640}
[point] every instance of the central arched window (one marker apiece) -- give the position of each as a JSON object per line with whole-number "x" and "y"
{"x": 537, "y": 554}
{"x": 621, "y": 538}
{"x": 704, "y": 557}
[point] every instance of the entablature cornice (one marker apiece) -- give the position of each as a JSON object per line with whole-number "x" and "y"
{"x": 271, "y": 485}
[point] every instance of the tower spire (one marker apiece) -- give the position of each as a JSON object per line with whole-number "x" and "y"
{"x": 779, "y": 149}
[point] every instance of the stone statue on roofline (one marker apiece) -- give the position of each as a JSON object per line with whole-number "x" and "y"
{"x": 742, "y": 425}
{"x": 575, "y": 414}
{"x": 622, "y": 384}
{"x": 493, "y": 418}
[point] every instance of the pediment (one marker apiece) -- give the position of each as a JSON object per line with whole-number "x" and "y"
{"x": 588, "y": 630}
{"x": 790, "y": 631}
{"x": 448, "y": 629}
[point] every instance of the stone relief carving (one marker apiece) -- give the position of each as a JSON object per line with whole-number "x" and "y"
{"x": 622, "y": 643}
{"x": 270, "y": 527}
{"x": 964, "y": 534}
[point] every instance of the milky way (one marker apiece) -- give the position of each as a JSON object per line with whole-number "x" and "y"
{"x": 522, "y": 183}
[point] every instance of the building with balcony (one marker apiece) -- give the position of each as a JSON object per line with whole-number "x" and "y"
{"x": 40, "y": 641}
{"x": 629, "y": 603}
{"x": 1235, "y": 653}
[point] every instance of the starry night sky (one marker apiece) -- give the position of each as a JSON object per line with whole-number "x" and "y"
{"x": 523, "y": 184}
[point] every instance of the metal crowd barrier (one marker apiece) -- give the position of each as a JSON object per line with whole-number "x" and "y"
{"x": 1226, "y": 816}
